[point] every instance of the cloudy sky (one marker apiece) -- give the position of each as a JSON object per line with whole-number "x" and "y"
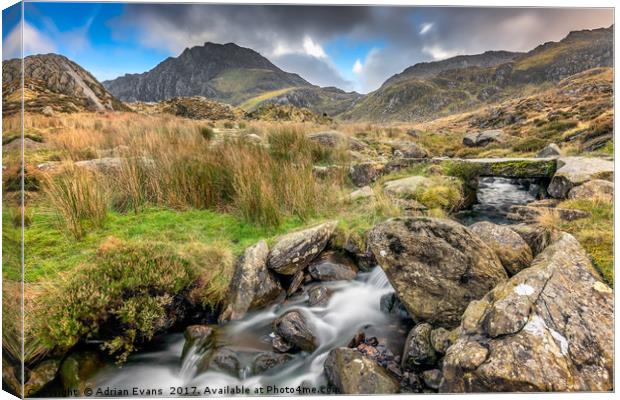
{"x": 354, "y": 48}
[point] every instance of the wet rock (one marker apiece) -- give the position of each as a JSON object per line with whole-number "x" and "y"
{"x": 574, "y": 171}
{"x": 538, "y": 237}
{"x": 596, "y": 189}
{"x": 252, "y": 286}
{"x": 362, "y": 193}
{"x": 198, "y": 336}
{"x": 268, "y": 360}
{"x": 318, "y": 296}
{"x": 484, "y": 138}
{"x": 418, "y": 350}
{"x": 432, "y": 378}
{"x": 390, "y": 304}
{"x": 225, "y": 360}
{"x": 40, "y": 376}
{"x": 353, "y": 373}
{"x": 549, "y": 328}
{"x": 296, "y": 282}
{"x": 436, "y": 266}
{"x": 551, "y": 150}
{"x": 331, "y": 266}
{"x": 531, "y": 214}
{"x": 334, "y": 139}
{"x": 295, "y": 330}
{"x": 280, "y": 345}
{"x": 513, "y": 251}
{"x": 294, "y": 251}
{"x": 363, "y": 174}
{"x": 77, "y": 368}
{"x": 408, "y": 149}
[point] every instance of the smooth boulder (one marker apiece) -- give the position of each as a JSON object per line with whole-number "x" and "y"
{"x": 252, "y": 286}
{"x": 353, "y": 373}
{"x": 293, "y": 252}
{"x": 436, "y": 266}
{"x": 596, "y": 189}
{"x": 294, "y": 328}
{"x": 574, "y": 171}
{"x": 512, "y": 250}
{"x": 548, "y": 328}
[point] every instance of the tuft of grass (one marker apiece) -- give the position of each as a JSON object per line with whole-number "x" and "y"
{"x": 207, "y": 133}
{"x": 214, "y": 266}
{"x": 441, "y": 193}
{"x": 79, "y": 198}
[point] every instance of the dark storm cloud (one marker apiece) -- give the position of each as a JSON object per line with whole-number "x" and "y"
{"x": 292, "y": 36}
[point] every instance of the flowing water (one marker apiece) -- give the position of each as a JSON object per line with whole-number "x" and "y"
{"x": 495, "y": 196}
{"x": 353, "y": 305}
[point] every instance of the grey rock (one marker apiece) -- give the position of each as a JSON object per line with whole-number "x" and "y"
{"x": 596, "y": 189}
{"x": 551, "y": 150}
{"x": 536, "y": 236}
{"x": 225, "y": 360}
{"x": 408, "y": 149}
{"x": 267, "y": 361}
{"x": 531, "y": 214}
{"x": 574, "y": 171}
{"x": 432, "y": 378}
{"x": 294, "y": 251}
{"x": 295, "y": 330}
{"x": 332, "y": 266}
{"x": 514, "y": 253}
{"x": 483, "y": 138}
{"x": 418, "y": 351}
{"x": 318, "y": 296}
{"x": 333, "y": 139}
{"x": 363, "y": 174}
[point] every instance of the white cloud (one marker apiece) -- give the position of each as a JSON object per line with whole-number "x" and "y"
{"x": 35, "y": 42}
{"x": 357, "y": 66}
{"x": 313, "y": 49}
{"x": 438, "y": 53}
{"x": 425, "y": 27}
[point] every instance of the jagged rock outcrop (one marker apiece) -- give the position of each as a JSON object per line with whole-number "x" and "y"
{"x": 549, "y": 328}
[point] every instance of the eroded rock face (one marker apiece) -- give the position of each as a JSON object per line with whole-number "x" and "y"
{"x": 353, "y": 373}
{"x": 252, "y": 286}
{"x": 436, "y": 266}
{"x": 513, "y": 251}
{"x": 596, "y": 189}
{"x": 574, "y": 171}
{"x": 293, "y": 327}
{"x": 549, "y": 328}
{"x": 331, "y": 266}
{"x": 294, "y": 251}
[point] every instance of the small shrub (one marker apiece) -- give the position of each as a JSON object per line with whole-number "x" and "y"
{"x": 229, "y": 125}
{"x": 79, "y": 198}
{"x": 207, "y": 133}
{"x": 123, "y": 298}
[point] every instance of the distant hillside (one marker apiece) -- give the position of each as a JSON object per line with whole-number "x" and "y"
{"x": 55, "y": 81}
{"x": 427, "y": 91}
{"x": 227, "y": 73}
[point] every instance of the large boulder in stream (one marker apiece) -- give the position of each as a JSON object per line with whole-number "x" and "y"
{"x": 353, "y": 373}
{"x": 548, "y": 328}
{"x": 514, "y": 253}
{"x": 293, "y": 252}
{"x": 253, "y": 285}
{"x": 294, "y": 328}
{"x": 436, "y": 266}
{"x": 574, "y": 171}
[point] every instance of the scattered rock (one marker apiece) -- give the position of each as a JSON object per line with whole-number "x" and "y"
{"x": 40, "y": 376}
{"x": 363, "y": 174}
{"x": 574, "y": 171}
{"x": 333, "y": 139}
{"x": 47, "y": 111}
{"x": 294, "y": 251}
{"x": 549, "y": 328}
{"x": 551, "y": 150}
{"x": 332, "y": 266}
{"x": 252, "y": 285}
{"x": 418, "y": 350}
{"x": 362, "y": 193}
{"x": 436, "y": 266}
{"x": 408, "y": 149}
{"x": 531, "y": 214}
{"x": 432, "y": 378}
{"x": 295, "y": 330}
{"x": 596, "y": 189}
{"x": 484, "y": 138}
{"x": 318, "y": 296}
{"x": 225, "y": 360}
{"x": 268, "y": 360}
{"x": 352, "y": 373}
{"x": 512, "y": 250}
